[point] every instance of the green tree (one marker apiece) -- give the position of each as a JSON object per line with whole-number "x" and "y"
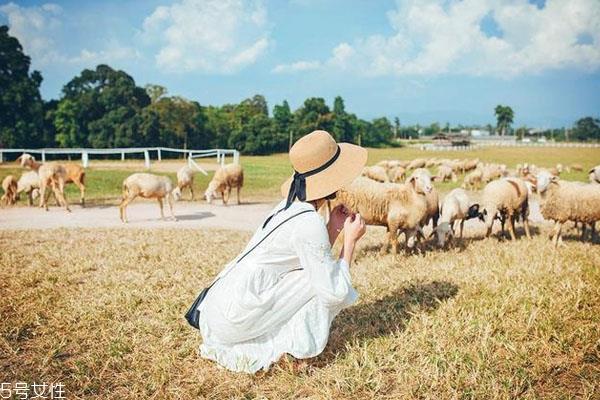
{"x": 314, "y": 114}
{"x": 21, "y": 106}
{"x": 587, "y": 128}
{"x": 504, "y": 118}
{"x": 65, "y": 123}
{"x": 342, "y": 125}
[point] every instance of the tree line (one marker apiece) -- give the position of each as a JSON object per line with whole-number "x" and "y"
{"x": 105, "y": 108}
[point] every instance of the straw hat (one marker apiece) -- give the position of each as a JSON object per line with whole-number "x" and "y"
{"x": 324, "y": 165}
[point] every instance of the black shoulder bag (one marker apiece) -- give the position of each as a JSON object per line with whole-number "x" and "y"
{"x": 193, "y": 314}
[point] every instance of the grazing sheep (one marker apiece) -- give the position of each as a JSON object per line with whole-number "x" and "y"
{"x": 445, "y": 173}
{"x": 9, "y": 185}
{"x": 576, "y": 167}
{"x": 468, "y": 165}
{"x": 51, "y": 175}
{"x": 432, "y": 162}
{"x": 72, "y": 173}
{"x": 568, "y": 201}
{"x": 493, "y": 171}
{"x": 399, "y": 207}
{"x": 457, "y": 207}
{"x": 506, "y": 199}
{"x": 148, "y": 186}
{"x": 29, "y": 182}
{"x": 376, "y": 173}
{"x": 185, "y": 178}
{"x": 594, "y": 174}
{"x": 417, "y": 163}
{"x": 431, "y": 195}
{"x": 225, "y": 178}
{"x": 397, "y": 174}
{"x": 473, "y": 179}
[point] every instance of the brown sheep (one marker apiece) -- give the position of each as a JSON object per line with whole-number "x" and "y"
{"x": 9, "y": 185}
{"x": 506, "y": 199}
{"x": 226, "y": 178}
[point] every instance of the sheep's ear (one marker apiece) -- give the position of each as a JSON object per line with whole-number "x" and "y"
{"x": 591, "y": 170}
{"x": 413, "y": 181}
{"x": 473, "y": 211}
{"x": 554, "y": 179}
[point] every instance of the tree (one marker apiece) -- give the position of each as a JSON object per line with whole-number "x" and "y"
{"x": 314, "y": 114}
{"x": 587, "y": 128}
{"x": 504, "y": 118}
{"x": 342, "y": 127}
{"x": 155, "y": 92}
{"x": 396, "y": 127}
{"x": 21, "y": 106}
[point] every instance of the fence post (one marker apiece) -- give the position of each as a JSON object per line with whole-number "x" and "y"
{"x": 147, "y": 159}
{"x": 236, "y": 157}
{"x": 159, "y": 155}
{"x": 1, "y": 157}
{"x": 43, "y": 156}
{"x": 84, "y": 159}
{"x": 122, "y": 156}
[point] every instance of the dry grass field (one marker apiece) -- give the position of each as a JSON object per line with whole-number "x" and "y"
{"x": 102, "y": 312}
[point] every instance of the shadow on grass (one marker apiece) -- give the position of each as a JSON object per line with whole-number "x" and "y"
{"x": 383, "y": 317}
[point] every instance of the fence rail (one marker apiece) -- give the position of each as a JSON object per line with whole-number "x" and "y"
{"x": 85, "y": 153}
{"x": 480, "y": 145}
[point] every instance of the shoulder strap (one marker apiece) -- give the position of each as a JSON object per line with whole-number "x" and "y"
{"x": 271, "y": 231}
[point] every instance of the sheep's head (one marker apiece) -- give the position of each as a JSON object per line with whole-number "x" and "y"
{"x": 473, "y": 212}
{"x": 421, "y": 183}
{"x": 176, "y": 194}
{"x": 211, "y": 192}
{"x": 443, "y": 232}
{"x": 544, "y": 179}
{"x": 26, "y": 160}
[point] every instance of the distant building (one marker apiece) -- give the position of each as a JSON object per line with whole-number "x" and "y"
{"x": 479, "y": 132}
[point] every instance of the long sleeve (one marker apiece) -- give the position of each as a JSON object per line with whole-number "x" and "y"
{"x": 329, "y": 278}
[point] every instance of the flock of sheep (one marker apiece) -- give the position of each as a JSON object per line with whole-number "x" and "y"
{"x": 41, "y": 179}
{"x": 400, "y": 195}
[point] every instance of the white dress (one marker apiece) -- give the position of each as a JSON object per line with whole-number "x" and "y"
{"x": 281, "y": 298}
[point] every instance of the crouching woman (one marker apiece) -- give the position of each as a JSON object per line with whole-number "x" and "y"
{"x": 282, "y": 292}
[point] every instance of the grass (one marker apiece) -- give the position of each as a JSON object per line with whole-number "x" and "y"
{"x": 264, "y": 174}
{"x": 102, "y": 312}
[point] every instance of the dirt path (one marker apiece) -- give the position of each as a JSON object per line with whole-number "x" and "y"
{"x": 247, "y": 216}
{"x": 141, "y": 215}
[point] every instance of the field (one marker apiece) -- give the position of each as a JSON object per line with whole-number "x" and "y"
{"x": 264, "y": 174}
{"x": 101, "y": 310}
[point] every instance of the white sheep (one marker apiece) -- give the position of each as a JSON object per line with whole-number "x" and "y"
{"x": 417, "y": 163}
{"x": 29, "y": 182}
{"x": 185, "y": 178}
{"x": 456, "y": 207}
{"x": 506, "y": 199}
{"x": 148, "y": 186}
{"x": 594, "y": 174}
{"x": 568, "y": 201}
{"x": 51, "y": 175}
{"x": 399, "y": 207}
{"x": 431, "y": 194}
{"x": 9, "y": 186}
{"x": 473, "y": 179}
{"x": 225, "y": 178}
{"x": 376, "y": 173}
{"x": 445, "y": 173}
{"x": 397, "y": 174}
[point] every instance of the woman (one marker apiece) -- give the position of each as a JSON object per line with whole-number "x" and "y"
{"x": 282, "y": 293}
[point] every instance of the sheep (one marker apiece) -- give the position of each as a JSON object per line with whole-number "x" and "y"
{"x": 468, "y": 165}
{"x": 9, "y": 185}
{"x": 431, "y": 195}
{"x": 506, "y": 199}
{"x": 29, "y": 182}
{"x": 185, "y": 178}
{"x": 225, "y": 178}
{"x": 398, "y": 207}
{"x": 456, "y": 207}
{"x": 376, "y": 173}
{"x": 417, "y": 163}
{"x": 473, "y": 179}
{"x": 52, "y": 175}
{"x": 148, "y": 186}
{"x": 432, "y": 162}
{"x": 72, "y": 173}
{"x": 493, "y": 171}
{"x": 594, "y": 174}
{"x": 445, "y": 173}
{"x": 568, "y": 201}
{"x": 397, "y": 174}
{"x": 576, "y": 167}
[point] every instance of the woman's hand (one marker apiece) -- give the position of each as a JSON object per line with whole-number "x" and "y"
{"x": 337, "y": 217}
{"x": 354, "y": 229}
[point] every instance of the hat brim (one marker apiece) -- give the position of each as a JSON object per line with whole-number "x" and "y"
{"x": 342, "y": 172}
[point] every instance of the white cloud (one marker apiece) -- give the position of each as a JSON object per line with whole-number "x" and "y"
{"x": 296, "y": 67}
{"x": 432, "y": 37}
{"x": 207, "y": 35}
{"x": 37, "y": 27}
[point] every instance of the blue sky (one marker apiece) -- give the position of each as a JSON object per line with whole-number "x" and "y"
{"x": 423, "y": 61}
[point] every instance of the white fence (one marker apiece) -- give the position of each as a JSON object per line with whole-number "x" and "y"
{"x": 85, "y": 153}
{"x": 480, "y": 145}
